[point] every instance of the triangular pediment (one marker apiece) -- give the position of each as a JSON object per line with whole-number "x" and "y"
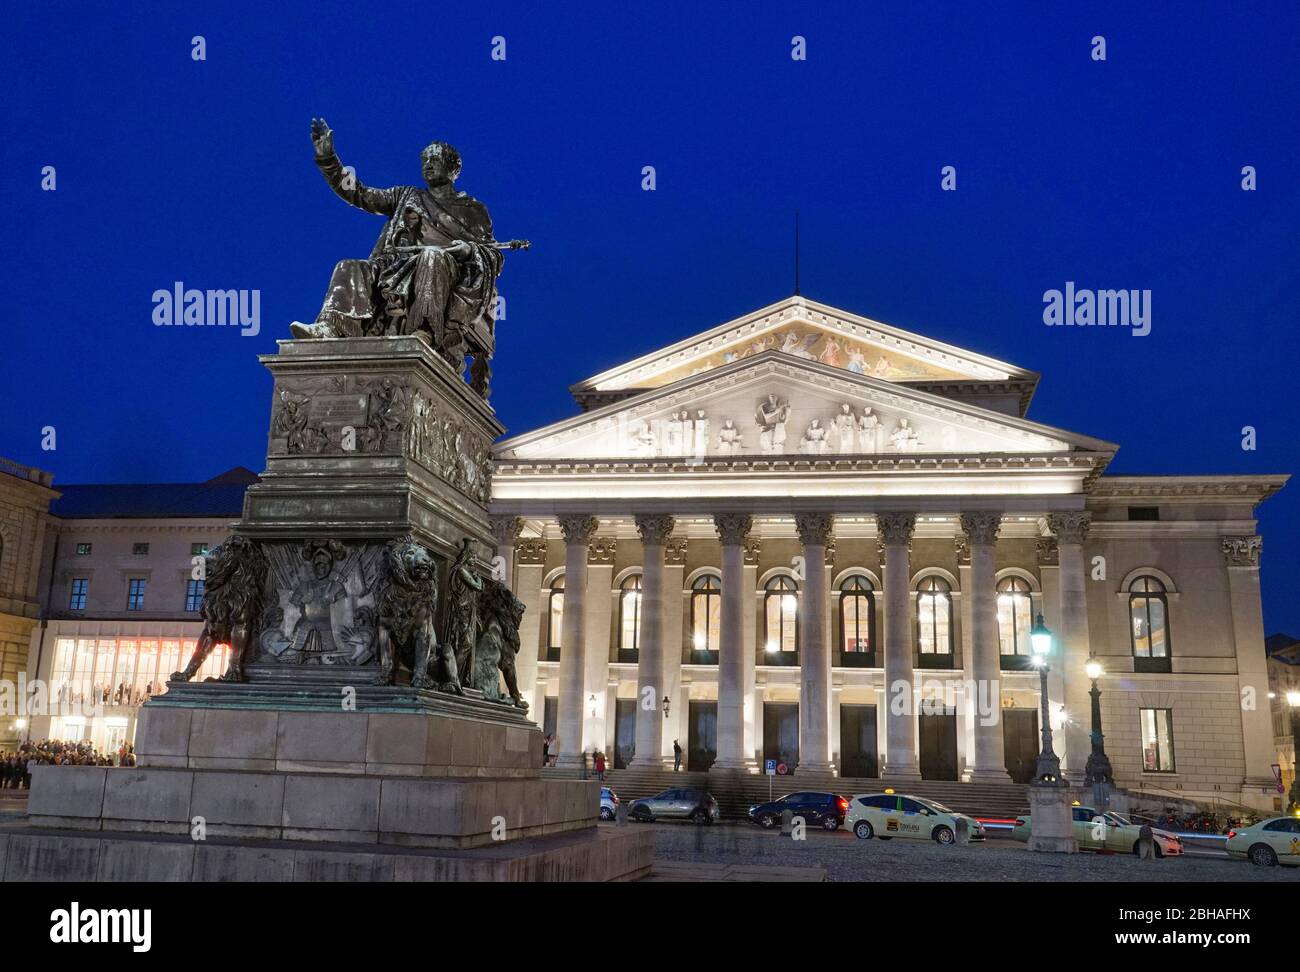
{"x": 811, "y": 331}
{"x": 779, "y": 405}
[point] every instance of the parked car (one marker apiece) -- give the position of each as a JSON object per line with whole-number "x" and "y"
{"x": 1107, "y": 831}
{"x": 609, "y": 802}
{"x": 889, "y": 815}
{"x": 676, "y": 804}
{"x": 1272, "y": 841}
{"x": 825, "y": 809}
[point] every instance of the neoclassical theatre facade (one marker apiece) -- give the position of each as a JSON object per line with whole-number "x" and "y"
{"x": 810, "y": 537}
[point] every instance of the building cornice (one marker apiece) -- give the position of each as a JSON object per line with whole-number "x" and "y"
{"x": 1255, "y": 488}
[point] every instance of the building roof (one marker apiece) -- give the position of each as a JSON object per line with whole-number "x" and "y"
{"x": 1283, "y": 648}
{"x": 221, "y": 496}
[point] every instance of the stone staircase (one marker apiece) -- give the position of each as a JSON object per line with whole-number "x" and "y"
{"x": 737, "y": 792}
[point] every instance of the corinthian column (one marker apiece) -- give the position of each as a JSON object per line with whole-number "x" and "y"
{"x": 654, "y": 531}
{"x": 1071, "y": 530}
{"x": 900, "y": 707}
{"x": 733, "y": 529}
{"x": 814, "y": 653}
{"x": 989, "y": 761}
{"x": 505, "y": 531}
{"x": 578, "y": 530}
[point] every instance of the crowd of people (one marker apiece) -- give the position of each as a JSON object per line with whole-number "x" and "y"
{"x": 1194, "y": 822}
{"x": 16, "y": 766}
{"x": 123, "y": 694}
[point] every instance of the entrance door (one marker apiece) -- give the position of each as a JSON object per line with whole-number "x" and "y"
{"x": 1020, "y": 742}
{"x": 939, "y": 745}
{"x": 625, "y": 731}
{"x": 781, "y": 733}
{"x": 702, "y": 736}
{"x": 550, "y": 715}
{"x": 858, "y": 741}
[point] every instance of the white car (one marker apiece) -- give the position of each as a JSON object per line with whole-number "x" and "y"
{"x": 888, "y": 815}
{"x": 1108, "y": 831}
{"x": 1272, "y": 841}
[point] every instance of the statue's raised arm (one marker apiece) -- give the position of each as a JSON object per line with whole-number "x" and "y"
{"x": 343, "y": 181}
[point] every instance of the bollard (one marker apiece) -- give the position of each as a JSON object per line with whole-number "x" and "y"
{"x": 963, "y": 832}
{"x": 620, "y": 815}
{"x": 1146, "y": 844}
{"x": 787, "y": 821}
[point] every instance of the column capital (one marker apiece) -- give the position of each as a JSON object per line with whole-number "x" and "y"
{"x": 1070, "y": 527}
{"x": 733, "y": 528}
{"x": 1049, "y": 554}
{"x": 675, "y": 550}
{"x": 578, "y": 527}
{"x": 815, "y": 529}
{"x": 896, "y": 528}
{"x": 1242, "y": 551}
{"x": 505, "y": 529}
{"x": 654, "y": 528}
{"x": 981, "y": 526}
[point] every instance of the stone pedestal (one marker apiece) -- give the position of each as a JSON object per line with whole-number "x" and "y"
{"x": 1052, "y": 825}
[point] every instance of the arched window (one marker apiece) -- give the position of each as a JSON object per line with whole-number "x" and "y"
{"x": 1015, "y": 617}
{"x": 934, "y": 622}
{"x": 781, "y": 621}
{"x": 857, "y": 623}
{"x": 706, "y": 619}
{"x": 629, "y": 617}
{"x": 1148, "y": 612}
{"x": 554, "y": 618}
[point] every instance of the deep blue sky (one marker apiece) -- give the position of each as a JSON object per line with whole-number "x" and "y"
{"x": 1117, "y": 174}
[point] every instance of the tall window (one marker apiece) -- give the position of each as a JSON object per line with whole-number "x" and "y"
{"x": 1157, "y": 740}
{"x": 77, "y": 599}
{"x": 781, "y": 621}
{"x": 193, "y": 594}
{"x": 1015, "y": 616}
{"x": 555, "y": 619}
{"x": 629, "y": 617}
{"x": 1148, "y": 611}
{"x": 135, "y": 594}
{"x": 706, "y": 619}
{"x": 934, "y": 622}
{"x": 857, "y": 622}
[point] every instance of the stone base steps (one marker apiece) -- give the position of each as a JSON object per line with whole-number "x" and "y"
{"x": 737, "y": 792}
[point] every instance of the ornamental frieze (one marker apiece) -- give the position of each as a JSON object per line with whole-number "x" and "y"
{"x": 1242, "y": 551}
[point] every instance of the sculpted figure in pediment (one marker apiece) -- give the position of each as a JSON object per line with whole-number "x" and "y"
{"x": 870, "y": 433}
{"x": 729, "y": 439}
{"x": 846, "y": 427}
{"x": 773, "y": 413}
{"x": 814, "y": 439}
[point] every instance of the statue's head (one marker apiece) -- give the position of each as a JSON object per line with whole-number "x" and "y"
{"x": 440, "y": 164}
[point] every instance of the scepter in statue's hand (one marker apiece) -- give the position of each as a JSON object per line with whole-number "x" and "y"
{"x": 495, "y": 244}
{"x": 322, "y": 138}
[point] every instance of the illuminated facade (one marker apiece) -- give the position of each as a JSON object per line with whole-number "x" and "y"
{"x": 819, "y": 539}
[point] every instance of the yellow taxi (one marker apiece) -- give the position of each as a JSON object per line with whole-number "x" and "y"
{"x": 888, "y": 815}
{"x": 1272, "y": 841}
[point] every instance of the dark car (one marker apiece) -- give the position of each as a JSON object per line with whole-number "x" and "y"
{"x": 676, "y": 804}
{"x": 827, "y": 809}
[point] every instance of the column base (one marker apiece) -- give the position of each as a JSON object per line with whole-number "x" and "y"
{"x": 570, "y": 761}
{"x": 1053, "y": 824}
{"x": 648, "y": 763}
{"x": 986, "y": 776}
{"x": 734, "y": 765}
{"x": 823, "y": 769}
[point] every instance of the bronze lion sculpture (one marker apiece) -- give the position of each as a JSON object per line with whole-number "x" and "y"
{"x": 406, "y": 612}
{"x": 233, "y": 584}
{"x": 498, "y": 643}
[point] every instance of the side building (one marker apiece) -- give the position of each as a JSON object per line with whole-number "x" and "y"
{"x": 121, "y": 599}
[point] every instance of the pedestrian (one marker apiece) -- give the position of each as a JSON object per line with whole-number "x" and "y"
{"x": 599, "y": 759}
{"x": 677, "y": 756}
{"x": 553, "y": 750}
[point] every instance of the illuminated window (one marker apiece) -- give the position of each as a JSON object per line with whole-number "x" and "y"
{"x": 198, "y": 549}
{"x": 1157, "y": 740}
{"x": 77, "y": 599}
{"x": 555, "y": 619}
{"x": 83, "y": 550}
{"x": 193, "y": 594}
{"x": 934, "y": 617}
{"x": 781, "y": 620}
{"x": 1148, "y": 610}
{"x": 1015, "y": 616}
{"x": 857, "y": 618}
{"x": 629, "y": 615}
{"x": 706, "y": 618}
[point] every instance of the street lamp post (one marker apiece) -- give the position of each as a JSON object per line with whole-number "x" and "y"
{"x": 1098, "y": 770}
{"x": 1052, "y": 818}
{"x": 1293, "y": 700}
{"x": 1049, "y": 764}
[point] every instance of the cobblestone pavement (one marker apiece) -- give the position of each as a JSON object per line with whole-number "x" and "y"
{"x": 846, "y": 858}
